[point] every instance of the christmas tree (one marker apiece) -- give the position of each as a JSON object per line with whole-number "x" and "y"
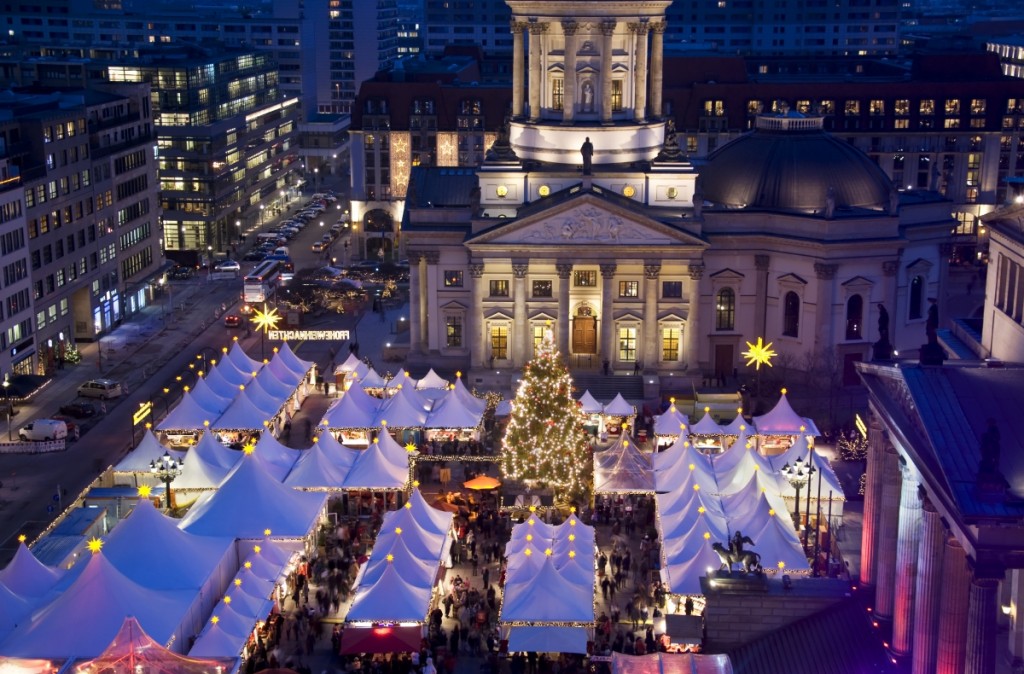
{"x": 545, "y": 443}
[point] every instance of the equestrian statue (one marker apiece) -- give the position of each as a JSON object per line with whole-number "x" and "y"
{"x": 735, "y": 554}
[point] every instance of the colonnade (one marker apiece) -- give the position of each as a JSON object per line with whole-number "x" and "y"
{"x": 529, "y": 79}
{"x": 942, "y": 604}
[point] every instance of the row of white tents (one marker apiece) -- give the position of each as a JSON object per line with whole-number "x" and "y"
{"x": 781, "y": 420}
{"x": 406, "y": 407}
{"x": 241, "y": 393}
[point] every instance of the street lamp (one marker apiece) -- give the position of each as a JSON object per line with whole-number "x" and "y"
{"x": 238, "y": 226}
{"x": 316, "y": 180}
{"x": 798, "y": 475}
{"x": 261, "y": 214}
{"x": 166, "y": 468}
{"x": 209, "y": 263}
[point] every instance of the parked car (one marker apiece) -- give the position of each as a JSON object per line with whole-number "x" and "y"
{"x": 232, "y": 321}
{"x": 78, "y": 409}
{"x": 44, "y": 429}
{"x": 319, "y": 247}
{"x": 100, "y": 388}
{"x": 181, "y": 272}
{"x": 254, "y": 255}
{"x": 227, "y": 265}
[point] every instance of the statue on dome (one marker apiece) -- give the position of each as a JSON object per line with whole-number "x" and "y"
{"x": 830, "y": 202}
{"x": 587, "y": 150}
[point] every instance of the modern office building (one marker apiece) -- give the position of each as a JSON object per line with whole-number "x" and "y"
{"x": 82, "y": 165}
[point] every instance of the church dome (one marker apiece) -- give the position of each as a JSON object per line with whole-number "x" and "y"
{"x": 789, "y": 163}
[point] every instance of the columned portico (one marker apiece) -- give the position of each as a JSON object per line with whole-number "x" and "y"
{"x": 928, "y": 593}
{"x": 888, "y": 532}
{"x": 564, "y": 270}
{"x": 520, "y": 330}
{"x": 607, "y": 30}
{"x": 650, "y": 330}
{"x": 983, "y": 603}
{"x": 476, "y": 316}
{"x": 657, "y": 67}
{"x": 607, "y": 320}
{"x": 906, "y": 561}
{"x": 762, "y": 264}
{"x": 428, "y": 278}
{"x": 872, "y": 501}
{"x": 692, "y": 333}
{"x": 416, "y": 302}
{"x": 956, "y": 577}
{"x": 639, "y": 31}
{"x": 537, "y": 29}
{"x": 569, "y": 28}
{"x": 518, "y": 74}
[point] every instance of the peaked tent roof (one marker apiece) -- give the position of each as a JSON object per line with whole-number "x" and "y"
{"x": 589, "y": 404}
{"x": 269, "y": 403}
{"x": 782, "y": 420}
{"x": 452, "y": 411}
{"x": 149, "y": 449}
{"x": 209, "y": 399}
{"x": 292, "y": 361}
{"x": 13, "y": 610}
{"x": 390, "y": 598}
{"x": 619, "y": 407}
{"x": 737, "y": 425}
{"x": 548, "y": 597}
{"x": 284, "y": 373}
{"x": 354, "y": 365}
{"x": 231, "y": 373}
{"x": 315, "y": 468}
{"x": 278, "y": 458}
{"x": 467, "y": 397}
{"x": 401, "y": 380}
{"x": 249, "y": 501}
{"x": 26, "y": 576}
{"x": 432, "y": 380}
{"x": 375, "y": 470}
{"x": 187, "y": 415}
{"x": 242, "y": 360}
{"x": 428, "y": 517}
{"x": 149, "y": 548}
{"x": 402, "y": 411}
{"x": 133, "y": 645}
{"x": 706, "y": 425}
{"x": 671, "y": 422}
{"x": 91, "y": 611}
{"x": 275, "y": 387}
{"x": 355, "y": 409}
{"x": 622, "y": 468}
{"x": 372, "y": 379}
{"x": 206, "y": 464}
{"x": 221, "y": 385}
{"x": 243, "y": 414}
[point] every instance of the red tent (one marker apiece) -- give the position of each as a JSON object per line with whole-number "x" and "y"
{"x": 389, "y": 639}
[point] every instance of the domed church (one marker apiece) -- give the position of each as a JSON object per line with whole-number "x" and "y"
{"x": 586, "y": 217}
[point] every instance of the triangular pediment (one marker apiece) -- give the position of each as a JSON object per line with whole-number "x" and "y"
{"x": 585, "y": 221}
{"x": 671, "y": 316}
{"x": 543, "y": 316}
{"x": 497, "y": 314}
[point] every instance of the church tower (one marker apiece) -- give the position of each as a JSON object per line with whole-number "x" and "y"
{"x": 587, "y": 70}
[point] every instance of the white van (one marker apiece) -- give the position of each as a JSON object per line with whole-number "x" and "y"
{"x": 281, "y": 250}
{"x": 44, "y": 429}
{"x": 100, "y": 388}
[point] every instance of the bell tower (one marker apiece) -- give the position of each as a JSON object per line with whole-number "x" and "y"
{"x": 587, "y": 69}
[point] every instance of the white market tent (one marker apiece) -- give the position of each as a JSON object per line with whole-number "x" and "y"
{"x": 242, "y": 414}
{"x": 208, "y": 399}
{"x": 432, "y": 380}
{"x": 737, "y": 425}
{"x": 242, "y": 360}
{"x": 231, "y": 374}
{"x": 706, "y": 426}
{"x": 220, "y": 385}
{"x": 379, "y": 467}
{"x": 671, "y": 663}
{"x": 372, "y": 379}
{"x": 149, "y": 449}
{"x": 27, "y": 577}
{"x": 452, "y": 411}
{"x": 187, "y": 415}
{"x": 623, "y": 469}
{"x": 250, "y": 501}
{"x": 321, "y": 467}
{"x": 274, "y": 385}
{"x": 782, "y": 420}
{"x": 207, "y": 463}
{"x": 402, "y": 380}
{"x": 13, "y": 609}
{"x": 355, "y": 409}
{"x": 589, "y": 404}
{"x": 405, "y": 409}
{"x": 276, "y": 457}
{"x": 671, "y": 423}
{"x": 542, "y": 589}
{"x": 291, "y": 361}
{"x": 618, "y": 407}
{"x": 91, "y": 611}
{"x": 469, "y": 400}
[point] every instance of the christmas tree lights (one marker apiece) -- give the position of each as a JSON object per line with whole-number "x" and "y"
{"x": 545, "y": 443}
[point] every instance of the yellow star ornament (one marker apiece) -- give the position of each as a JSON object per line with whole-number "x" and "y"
{"x": 759, "y": 354}
{"x": 266, "y": 320}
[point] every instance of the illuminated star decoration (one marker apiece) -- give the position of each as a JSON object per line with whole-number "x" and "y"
{"x": 410, "y": 447}
{"x": 145, "y": 490}
{"x": 249, "y": 448}
{"x": 266, "y": 320}
{"x": 94, "y": 545}
{"x": 759, "y": 354}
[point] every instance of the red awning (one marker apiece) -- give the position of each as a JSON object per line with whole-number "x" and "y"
{"x": 392, "y": 639}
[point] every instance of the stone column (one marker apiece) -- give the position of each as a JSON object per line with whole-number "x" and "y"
{"x": 928, "y": 593}
{"x": 536, "y": 70}
{"x": 872, "y": 501}
{"x": 1017, "y": 613}
{"x": 762, "y": 263}
{"x": 520, "y": 328}
{"x": 823, "y": 328}
{"x": 981, "y": 627}
{"x": 639, "y": 31}
{"x": 691, "y": 334}
{"x": 956, "y": 579}
{"x": 564, "y": 270}
{"x": 888, "y": 530}
{"x": 518, "y": 74}
{"x": 657, "y": 67}
{"x": 477, "y": 349}
{"x": 428, "y": 275}
{"x": 569, "y": 28}
{"x": 607, "y": 322}
{"x": 416, "y": 292}
{"x": 906, "y": 562}
{"x": 607, "y": 30}
{"x": 652, "y": 269}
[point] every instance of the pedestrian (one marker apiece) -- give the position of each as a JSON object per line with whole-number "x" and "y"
{"x": 103, "y": 407}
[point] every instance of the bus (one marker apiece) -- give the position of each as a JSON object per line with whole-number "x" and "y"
{"x": 287, "y": 268}
{"x": 261, "y": 283}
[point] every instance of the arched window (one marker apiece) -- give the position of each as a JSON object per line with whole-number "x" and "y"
{"x": 917, "y": 297}
{"x": 854, "y": 317}
{"x": 791, "y": 315}
{"x": 725, "y": 310}
{"x": 378, "y": 220}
